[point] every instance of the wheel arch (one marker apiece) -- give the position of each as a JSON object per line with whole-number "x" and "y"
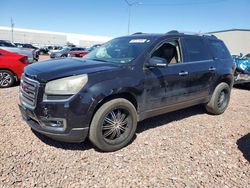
{"x": 126, "y": 95}
{"x": 227, "y": 79}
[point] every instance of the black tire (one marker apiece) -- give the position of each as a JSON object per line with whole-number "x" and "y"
{"x": 219, "y": 100}
{"x": 104, "y": 122}
{"x": 247, "y": 85}
{"x": 7, "y": 79}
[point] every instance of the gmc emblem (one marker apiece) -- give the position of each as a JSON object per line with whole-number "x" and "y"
{"x": 25, "y": 87}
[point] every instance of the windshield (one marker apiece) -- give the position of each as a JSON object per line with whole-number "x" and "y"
{"x": 120, "y": 50}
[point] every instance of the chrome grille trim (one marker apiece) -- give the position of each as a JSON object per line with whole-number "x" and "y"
{"x": 28, "y": 92}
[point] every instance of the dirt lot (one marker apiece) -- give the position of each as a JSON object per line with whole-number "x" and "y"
{"x": 187, "y": 148}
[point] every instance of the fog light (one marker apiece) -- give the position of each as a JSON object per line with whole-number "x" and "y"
{"x": 55, "y": 124}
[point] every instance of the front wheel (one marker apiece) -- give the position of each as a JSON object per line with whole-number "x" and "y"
{"x": 219, "y": 100}
{"x": 113, "y": 125}
{"x": 7, "y": 79}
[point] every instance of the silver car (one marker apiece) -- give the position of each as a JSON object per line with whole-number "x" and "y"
{"x": 30, "y": 53}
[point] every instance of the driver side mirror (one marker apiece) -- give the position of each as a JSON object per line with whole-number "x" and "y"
{"x": 157, "y": 62}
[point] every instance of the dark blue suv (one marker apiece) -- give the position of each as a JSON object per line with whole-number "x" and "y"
{"x": 126, "y": 80}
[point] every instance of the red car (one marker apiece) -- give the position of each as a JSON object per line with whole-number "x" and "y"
{"x": 11, "y": 67}
{"x": 78, "y": 53}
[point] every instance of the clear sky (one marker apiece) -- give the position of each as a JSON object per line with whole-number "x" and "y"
{"x": 110, "y": 17}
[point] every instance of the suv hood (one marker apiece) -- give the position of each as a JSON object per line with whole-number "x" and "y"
{"x": 59, "y": 68}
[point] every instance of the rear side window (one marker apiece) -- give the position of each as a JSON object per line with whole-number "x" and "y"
{"x": 196, "y": 49}
{"x": 219, "y": 49}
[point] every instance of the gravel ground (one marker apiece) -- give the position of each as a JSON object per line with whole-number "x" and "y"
{"x": 187, "y": 148}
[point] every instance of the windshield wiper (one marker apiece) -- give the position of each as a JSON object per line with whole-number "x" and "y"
{"x": 95, "y": 59}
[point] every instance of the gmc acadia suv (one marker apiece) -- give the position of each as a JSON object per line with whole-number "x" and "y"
{"x": 126, "y": 80}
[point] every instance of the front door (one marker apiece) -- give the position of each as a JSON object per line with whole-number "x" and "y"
{"x": 167, "y": 85}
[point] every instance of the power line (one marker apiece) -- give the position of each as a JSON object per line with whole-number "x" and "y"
{"x": 179, "y": 4}
{"x": 130, "y": 4}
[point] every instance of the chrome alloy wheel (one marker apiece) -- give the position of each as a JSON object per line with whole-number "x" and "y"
{"x": 5, "y": 79}
{"x": 116, "y": 125}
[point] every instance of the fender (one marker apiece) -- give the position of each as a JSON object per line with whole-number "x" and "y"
{"x": 114, "y": 88}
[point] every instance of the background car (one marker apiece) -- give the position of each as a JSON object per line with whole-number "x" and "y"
{"x": 78, "y": 52}
{"x": 29, "y": 46}
{"x": 82, "y": 53}
{"x": 242, "y": 72}
{"x": 93, "y": 47}
{"x": 21, "y": 45}
{"x": 11, "y": 67}
{"x": 8, "y": 46}
{"x": 52, "y": 49}
{"x": 60, "y": 53}
{"x": 65, "y": 52}
{"x": 43, "y": 51}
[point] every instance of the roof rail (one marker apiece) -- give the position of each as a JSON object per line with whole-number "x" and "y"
{"x": 209, "y": 35}
{"x": 173, "y": 32}
{"x": 190, "y": 33}
{"x": 137, "y": 33}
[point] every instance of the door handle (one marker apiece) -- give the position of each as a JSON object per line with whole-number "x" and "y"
{"x": 212, "y": 69}
{"x": 183, "y": 73}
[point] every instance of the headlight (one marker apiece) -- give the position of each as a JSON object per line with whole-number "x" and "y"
{"x": 66, "y": 86}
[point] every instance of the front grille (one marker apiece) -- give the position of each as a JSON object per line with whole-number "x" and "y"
{"x": 28, "y": 92}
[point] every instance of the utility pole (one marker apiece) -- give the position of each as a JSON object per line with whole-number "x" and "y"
{"x": 129, "y": 12}
{"x": 12, "y": 29}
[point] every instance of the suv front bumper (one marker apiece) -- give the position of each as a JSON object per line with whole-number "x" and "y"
{"x": 38, "y": 124}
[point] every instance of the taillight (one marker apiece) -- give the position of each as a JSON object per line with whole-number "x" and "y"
{"x": 24, "y": 60}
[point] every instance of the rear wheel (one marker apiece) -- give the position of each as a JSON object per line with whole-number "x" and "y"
{"x": 113, "y": 125}
{"x": 7, "y": 79}
{"x": 219, "y": 100}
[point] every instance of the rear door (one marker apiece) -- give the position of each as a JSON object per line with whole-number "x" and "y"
{"x": 200, "y": 66}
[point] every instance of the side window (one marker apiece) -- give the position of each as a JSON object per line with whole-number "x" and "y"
{"x": 169, "y": 50}
{"x": 196, "y": 49}
{"x": 219, "y": 49}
